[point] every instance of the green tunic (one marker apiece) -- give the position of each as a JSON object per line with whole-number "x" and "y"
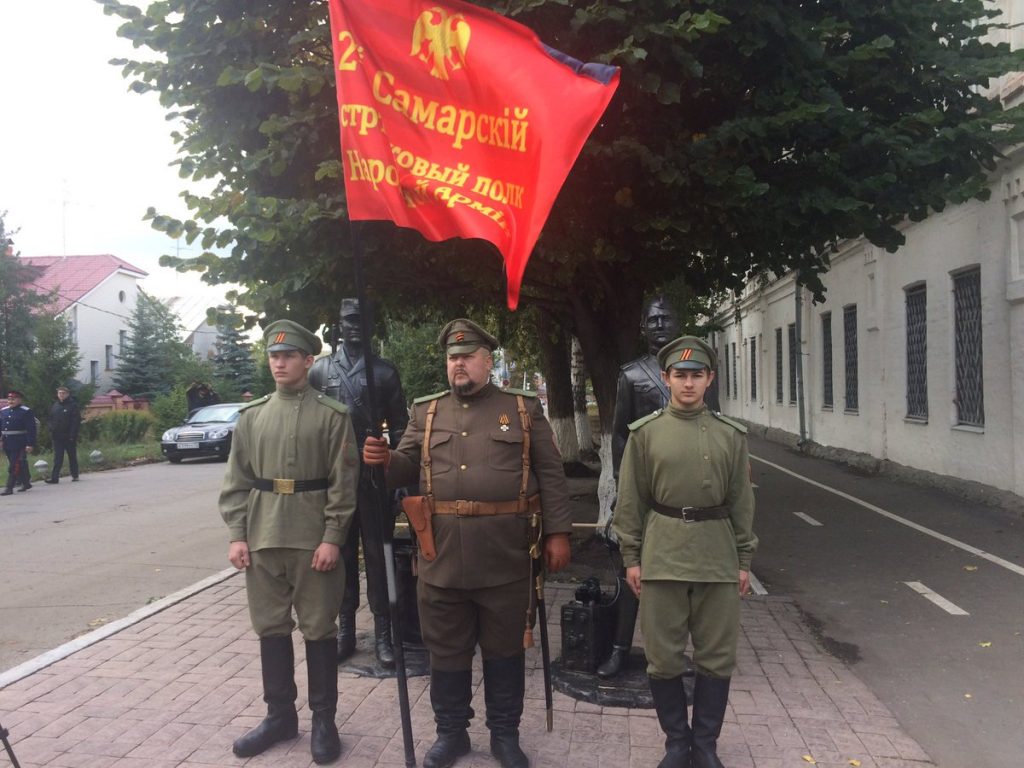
{"x": 681, "y": 458}
{"x": 476, "y": 445}
{"x": 300, "y": 435}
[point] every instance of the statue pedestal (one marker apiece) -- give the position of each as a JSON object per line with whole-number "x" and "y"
{"x": 627, "y": 689}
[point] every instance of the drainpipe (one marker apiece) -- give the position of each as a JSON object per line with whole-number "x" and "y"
{"x": 800, "y": 403}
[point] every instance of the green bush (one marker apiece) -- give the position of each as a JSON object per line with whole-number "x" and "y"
{"x": 169, "y": 410}
{"x": 120, "y": 427}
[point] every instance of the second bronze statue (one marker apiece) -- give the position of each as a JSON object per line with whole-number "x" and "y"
{"x": 343, "y": 377}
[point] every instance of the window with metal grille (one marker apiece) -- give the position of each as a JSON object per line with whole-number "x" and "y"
{"x": 735, "y": 373}
{"x": 778, "y": 365}
{"x": 850, "y": 356}
{"x": 753, "y": 368}
{"x": 792, "y": 363}
{"x": 917, "y": 352}
{"x": 728, "y": 370}
{"x": 827, "y": 396}
{"x": 970, "y": 401}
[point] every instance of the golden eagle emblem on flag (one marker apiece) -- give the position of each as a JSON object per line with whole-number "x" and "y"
{"x": 440, "y": 40}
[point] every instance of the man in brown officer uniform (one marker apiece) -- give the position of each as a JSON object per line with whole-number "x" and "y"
{"x": 288, "y": 498}
{"x": 491, "y": 460}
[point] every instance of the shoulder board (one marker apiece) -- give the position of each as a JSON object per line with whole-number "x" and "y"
{"x": 428, "y": 398}
{"x": 643, "y": 420}
{"x": 257, "y": 401}
{"x": 330, "y": 402}
{"x": 734, "y": 424}
{"x": 523, "y": 392}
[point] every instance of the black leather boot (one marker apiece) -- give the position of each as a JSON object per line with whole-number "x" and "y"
{"x": 322, "y": 669}
{"x": 670, "y": 704}
{"x": 710, "y": 695}
{"x": 382, "y": 641}
{"x": 625, "y": 624}
{"x": 7, "y": 491}
{"x": 504, "y": 687}
{"x": 278, "y": 661}
{"x": 450, "y": 695}
{"x": 346, "y": 635}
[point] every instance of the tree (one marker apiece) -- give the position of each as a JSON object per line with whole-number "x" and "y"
{"x": 413, "y": 349}
{"x": 234, "y": 362}
{"x": 19, "y": 303}
{"x": 153, "y": 355}
{"x": 744, "y": 138}
{"x": 53, "y": 363}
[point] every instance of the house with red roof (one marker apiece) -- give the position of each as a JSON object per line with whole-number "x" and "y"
{"x": 96, "y": 295}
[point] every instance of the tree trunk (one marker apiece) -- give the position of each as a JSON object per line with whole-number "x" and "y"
{"x": 578, "y": 374}
{"x": 553, "y": 344}
{"x": 607, "y": 331}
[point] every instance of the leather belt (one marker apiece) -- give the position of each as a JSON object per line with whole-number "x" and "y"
{"x": 692, "y": 514}
{"x": 13, "y": 432}
{"x": 464, "y": 508}
{"x": 287, "y": 487}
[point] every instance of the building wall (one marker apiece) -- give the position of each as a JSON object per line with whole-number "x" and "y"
{"x": 989, "y": 235}
{"x": 98, "y": 320}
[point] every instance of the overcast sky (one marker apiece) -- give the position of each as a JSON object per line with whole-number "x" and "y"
{"x": 81, "y": 157}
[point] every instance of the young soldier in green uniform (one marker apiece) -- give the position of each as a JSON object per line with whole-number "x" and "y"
{"x": 684, "y": 520}
{"x": 288, "y": 498}
{"x": 490, "y": 462}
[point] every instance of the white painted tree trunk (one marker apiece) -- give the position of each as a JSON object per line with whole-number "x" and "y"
{"x": 578, "y": 377}
{"x": 605, "y": 483}
{"x": 564, "y": 428}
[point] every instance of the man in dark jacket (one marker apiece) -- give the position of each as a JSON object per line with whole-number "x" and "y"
{"x": 65, "y": 419}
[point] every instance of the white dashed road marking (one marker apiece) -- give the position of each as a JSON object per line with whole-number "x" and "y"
{"x": 936, "y": 598}
{"x": 807, "y": 518}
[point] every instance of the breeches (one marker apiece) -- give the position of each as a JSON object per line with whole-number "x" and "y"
{"x": 454, "y": 621}
{"x": 17, "y": 466}
{"x": 280, "y": 579}
{"x": 672, "y": 611}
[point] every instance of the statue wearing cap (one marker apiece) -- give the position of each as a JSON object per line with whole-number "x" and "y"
{"x": 486, "y": 461}
{"x": 18, "y": 432}
{"x": 288, "y": 498}
{"x": 342, "y": 376}
{"x": 684, "y": 520}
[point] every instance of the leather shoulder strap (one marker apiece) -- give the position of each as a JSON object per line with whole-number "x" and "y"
{"x": 425, "y": 447}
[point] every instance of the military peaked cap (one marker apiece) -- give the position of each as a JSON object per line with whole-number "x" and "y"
{"x": 462, "y": 336}
{"x": 283, "y": 335}
{"x": 14, "y": 393}
{"x": 689, "y": 353}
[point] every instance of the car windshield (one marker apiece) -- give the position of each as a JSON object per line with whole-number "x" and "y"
{"x": 222, "y": 412}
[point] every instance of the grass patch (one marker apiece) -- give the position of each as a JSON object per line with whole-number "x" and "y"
{"x": 115, "y": 455}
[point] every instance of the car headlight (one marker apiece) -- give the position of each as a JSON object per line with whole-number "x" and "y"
{"x": 168, "y": 436}
{"x": 217, "y": 434}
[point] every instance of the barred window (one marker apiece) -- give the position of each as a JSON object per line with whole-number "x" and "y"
{"x": 850, "y": 356}
{"x": 735, "y": 373}
{"x": 753, "y": 368}
{"x": 778, "y": 365}
{"x": 827, "y": 396}
{"x": 728, "y": 370}
{"x": 793, "y": 352}
{"x": 917, "y": 352}
{"x": 970, "y": 402}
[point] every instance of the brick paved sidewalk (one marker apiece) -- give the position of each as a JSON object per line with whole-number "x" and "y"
{"x": 175, "y": 688}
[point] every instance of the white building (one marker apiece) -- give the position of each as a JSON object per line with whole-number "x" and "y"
{"x": 96, "y": 295}
{"x": 911, "y": 358}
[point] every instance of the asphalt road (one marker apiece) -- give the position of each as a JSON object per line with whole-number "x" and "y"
{"x": 74, "y": 556}
{"x": 950, "y": 668}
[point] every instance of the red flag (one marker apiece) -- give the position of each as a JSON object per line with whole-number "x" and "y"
{"x": 458, "y": 122}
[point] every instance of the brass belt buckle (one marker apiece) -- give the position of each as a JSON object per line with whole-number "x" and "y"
{"x": 463, "y": 508}
{"x": 685, "y": 518}
{"x": 284, "y": 486}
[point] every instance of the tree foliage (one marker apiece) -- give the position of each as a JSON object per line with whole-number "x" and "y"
{"x": 744, "y": 138}
{"x": 153, "y": 358}
{"x": 234, "y": 363}
{"x": 20, "y": 303}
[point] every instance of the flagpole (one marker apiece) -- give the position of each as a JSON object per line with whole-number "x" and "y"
{"x": 380, "y": 505}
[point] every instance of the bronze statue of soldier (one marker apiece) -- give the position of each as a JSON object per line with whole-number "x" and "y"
{"x": 343, "y": 377}
{"x": 640, "y": 391}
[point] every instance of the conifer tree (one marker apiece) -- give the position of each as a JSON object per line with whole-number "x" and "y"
{"x": 153, "y": 354}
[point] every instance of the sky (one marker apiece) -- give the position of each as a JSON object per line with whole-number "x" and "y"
{"x": 82, "y": 157}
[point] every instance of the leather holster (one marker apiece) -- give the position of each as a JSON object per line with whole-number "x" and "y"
{"x": 420, "y": 510}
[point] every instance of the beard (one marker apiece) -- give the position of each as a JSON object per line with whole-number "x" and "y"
{"x": 465, "y": 388}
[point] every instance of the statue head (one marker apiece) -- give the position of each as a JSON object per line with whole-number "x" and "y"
{"x": 660, "y": 323}
{"x": 350, "y": 323}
